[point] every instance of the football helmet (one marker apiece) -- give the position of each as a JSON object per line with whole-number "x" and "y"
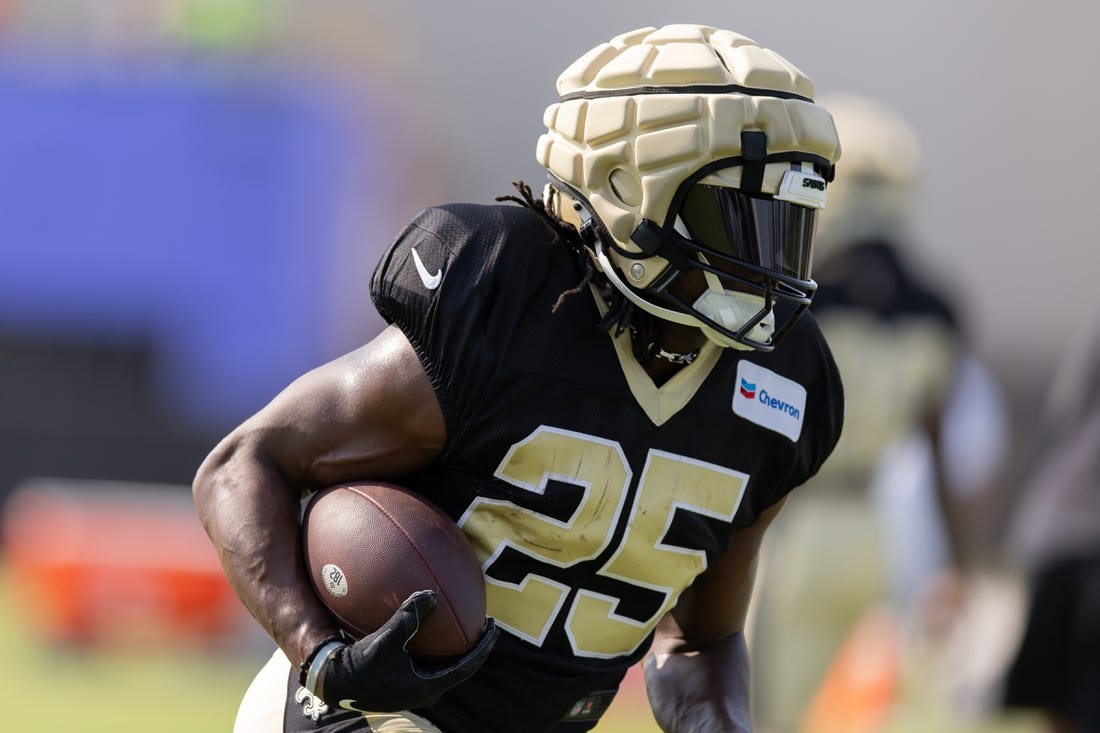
{"x": 874, "y": 194}
{"x": 687, "y": 151}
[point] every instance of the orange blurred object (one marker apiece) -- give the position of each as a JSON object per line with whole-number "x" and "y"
{"x": 89, "y": 561}
{"x": 862, "y": 684}
{"x": 630, "y": 709}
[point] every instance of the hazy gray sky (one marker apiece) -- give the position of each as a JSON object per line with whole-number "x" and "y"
{"x": 1003, "y": 97}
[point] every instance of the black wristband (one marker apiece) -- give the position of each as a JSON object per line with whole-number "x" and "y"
{"x": 303, "y": 668}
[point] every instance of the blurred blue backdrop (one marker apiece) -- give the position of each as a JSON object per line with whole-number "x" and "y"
{"x": 185, "y": 209}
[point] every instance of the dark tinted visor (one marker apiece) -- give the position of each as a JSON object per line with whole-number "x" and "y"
{"x": 773, "y": 235}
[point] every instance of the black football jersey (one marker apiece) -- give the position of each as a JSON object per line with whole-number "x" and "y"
{"x": 592, "y": 497}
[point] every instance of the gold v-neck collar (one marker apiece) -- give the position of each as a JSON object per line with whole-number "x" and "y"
{"x": 661, "y": 403}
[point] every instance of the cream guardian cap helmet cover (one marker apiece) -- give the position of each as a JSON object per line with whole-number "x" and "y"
{"x": 694, "y": 149}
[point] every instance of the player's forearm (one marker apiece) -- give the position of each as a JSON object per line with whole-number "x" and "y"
{"x": 703, "y": 690}
{"x": 946, "y": 495}
{"x": 251, "y": 517}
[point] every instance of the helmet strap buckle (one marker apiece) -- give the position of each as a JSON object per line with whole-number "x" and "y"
{"x": 647, "y": 235}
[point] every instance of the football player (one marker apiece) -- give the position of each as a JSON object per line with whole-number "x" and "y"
{"x": 611, "y": 387}
{"x": 1052, "y": 539}
{"x": 898, "y": 344}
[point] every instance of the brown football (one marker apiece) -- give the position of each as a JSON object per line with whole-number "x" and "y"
{"x": 369, "y": 546}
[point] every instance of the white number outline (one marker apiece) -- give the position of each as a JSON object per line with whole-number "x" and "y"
{"x": 648, "y": 542}
{"x": 540, "y": 489}
{"x": 671, "y": 594}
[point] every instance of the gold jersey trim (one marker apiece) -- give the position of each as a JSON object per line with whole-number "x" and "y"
{"x": 661, "y": 403}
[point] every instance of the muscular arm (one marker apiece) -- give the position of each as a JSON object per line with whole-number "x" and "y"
{"x": 697, "y": 672}
{"x": 369, "y": 414}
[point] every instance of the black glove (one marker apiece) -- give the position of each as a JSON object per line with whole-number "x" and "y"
{"x": 376, "y": 673}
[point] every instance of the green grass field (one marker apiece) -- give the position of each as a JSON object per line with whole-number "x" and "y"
{"x": 49, "y": 689}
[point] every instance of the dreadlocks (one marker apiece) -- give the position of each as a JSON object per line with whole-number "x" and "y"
{"x": 621, "y": 314}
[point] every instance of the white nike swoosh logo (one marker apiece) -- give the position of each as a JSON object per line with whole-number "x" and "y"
{"x": 431, "y": 282}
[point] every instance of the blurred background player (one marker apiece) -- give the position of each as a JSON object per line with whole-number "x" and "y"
{"x": 1054, "y": 538}
{"x": 832, "y": 562}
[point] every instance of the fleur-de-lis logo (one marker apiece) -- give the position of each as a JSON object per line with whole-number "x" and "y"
{"x": 312, "y": 707}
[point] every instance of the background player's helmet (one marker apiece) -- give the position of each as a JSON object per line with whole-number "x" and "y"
{"x": 873, "y": 196}
{"x": 689, "y": 149}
